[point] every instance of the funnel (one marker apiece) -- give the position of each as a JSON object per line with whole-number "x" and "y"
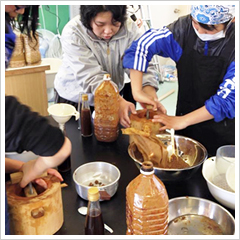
{"x": 62, "y": 112}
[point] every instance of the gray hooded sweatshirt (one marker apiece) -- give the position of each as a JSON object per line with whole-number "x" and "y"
{"x": 86, "y": 58}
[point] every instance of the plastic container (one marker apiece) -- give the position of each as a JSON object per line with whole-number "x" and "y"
{"x": 106, "y": 103}
{"x": 146, "y": 204}
{"x": 94, "y": 222}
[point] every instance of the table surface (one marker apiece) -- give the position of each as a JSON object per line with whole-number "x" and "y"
{"x": 88, "y": 149}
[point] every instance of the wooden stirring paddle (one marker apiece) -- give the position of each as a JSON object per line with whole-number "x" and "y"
{"x": 149, "y": 107}
{"x": 29, "y": 190}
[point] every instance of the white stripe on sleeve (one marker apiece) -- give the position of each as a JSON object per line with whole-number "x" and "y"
{"x": 142, "y": 46}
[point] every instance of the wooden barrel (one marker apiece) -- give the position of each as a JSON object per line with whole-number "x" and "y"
{"x": 39, "y": 215}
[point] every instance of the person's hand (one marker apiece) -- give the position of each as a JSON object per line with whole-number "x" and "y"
{"x": 160, "y": 107}
{"x": 175, "y": 122}
{"x": 139, "y": 22}
{"x": 124, "y": 110}
{"x": 180, "y": 122}
{"x": 145, "y": 99}
{"x": 51, "y": 171}
{"x": 31, "y": 173}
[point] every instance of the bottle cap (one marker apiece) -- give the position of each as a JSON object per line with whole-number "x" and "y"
{"x": 147, "y": 168}
{"x": 84, "y": 97}
{"x": 93, "y": 194}
{"x": 107, "y": 76}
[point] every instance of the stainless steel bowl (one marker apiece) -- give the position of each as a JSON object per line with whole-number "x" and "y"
{"x": 101, "y": 172}
{"x": 193, "y": 152}
{"x": 198, "y": 216}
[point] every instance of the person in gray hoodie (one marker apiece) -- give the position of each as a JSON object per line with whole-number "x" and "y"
{"x": 93, "y": 45}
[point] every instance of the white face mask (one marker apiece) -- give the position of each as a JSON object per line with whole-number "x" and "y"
{"x": 210, "y": 37}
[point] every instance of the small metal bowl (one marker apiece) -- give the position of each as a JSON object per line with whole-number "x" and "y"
{"x": 103, "y": 175}
{"x": 198, "y": 216}
{"x": 193, "y": 152}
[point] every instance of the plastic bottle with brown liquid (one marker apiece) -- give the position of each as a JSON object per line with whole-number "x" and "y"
{"x": 106, "y": 104}
{"x": 146, "y": 204}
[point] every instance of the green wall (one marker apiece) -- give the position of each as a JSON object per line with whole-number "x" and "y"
{"x": 49, "y": 13}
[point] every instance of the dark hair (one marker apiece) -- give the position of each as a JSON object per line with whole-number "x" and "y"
{"x": 27, "y": 22}
{"x": 88, "y": 12}
{"x": 211, "y": 27}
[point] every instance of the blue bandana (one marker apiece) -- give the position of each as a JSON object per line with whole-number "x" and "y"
{"x": 212, "y": 14}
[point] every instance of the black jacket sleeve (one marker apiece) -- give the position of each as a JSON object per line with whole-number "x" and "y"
{"x": 27, "y": 130}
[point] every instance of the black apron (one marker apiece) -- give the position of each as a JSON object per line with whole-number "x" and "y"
{"x": 199, "y": 77}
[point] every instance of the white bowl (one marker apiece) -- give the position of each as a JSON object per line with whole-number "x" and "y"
{"x": 230, "y": 176}
{"x": 223, "y": 196}
{"x": 25, "y": 156}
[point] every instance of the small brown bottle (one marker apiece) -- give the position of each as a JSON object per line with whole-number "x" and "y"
{"x": 86, "y": 119}
{"x": 94, "y": 222}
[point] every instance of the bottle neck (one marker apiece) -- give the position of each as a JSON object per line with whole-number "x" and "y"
{"x": 146, "y": 173}
{"x": 85, "y": 105}
{"x": 93, "y": 206}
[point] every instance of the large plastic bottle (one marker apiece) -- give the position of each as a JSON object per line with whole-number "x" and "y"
{"x": 106, "y": 104}
{"x": 146, "y": 204}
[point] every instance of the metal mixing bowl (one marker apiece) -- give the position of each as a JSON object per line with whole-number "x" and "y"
{"x": 194, "y": 216}
{"x": 102, "y": 172}
{"x": 193, "y": 152}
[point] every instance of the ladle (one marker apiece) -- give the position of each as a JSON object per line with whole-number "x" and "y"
{"x": 171, "y": 146}
{"x": 149, "y": 107}
{"x": 83, "y": 211}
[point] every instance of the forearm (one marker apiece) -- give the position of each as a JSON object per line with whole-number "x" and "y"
{"x": 121, "y": 100}
{"x": 181, "y": 122}
{"x": 136, "y": 80}
{"x": 197, "y": 116}
{"x": 34, "y": 168}
{"x": 151, "y": 91}
{"x": 12, "y": 165}
{"x": 44, "y": 163}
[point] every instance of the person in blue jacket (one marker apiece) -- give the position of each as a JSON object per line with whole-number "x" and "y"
{"x": 203, "y": 46}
